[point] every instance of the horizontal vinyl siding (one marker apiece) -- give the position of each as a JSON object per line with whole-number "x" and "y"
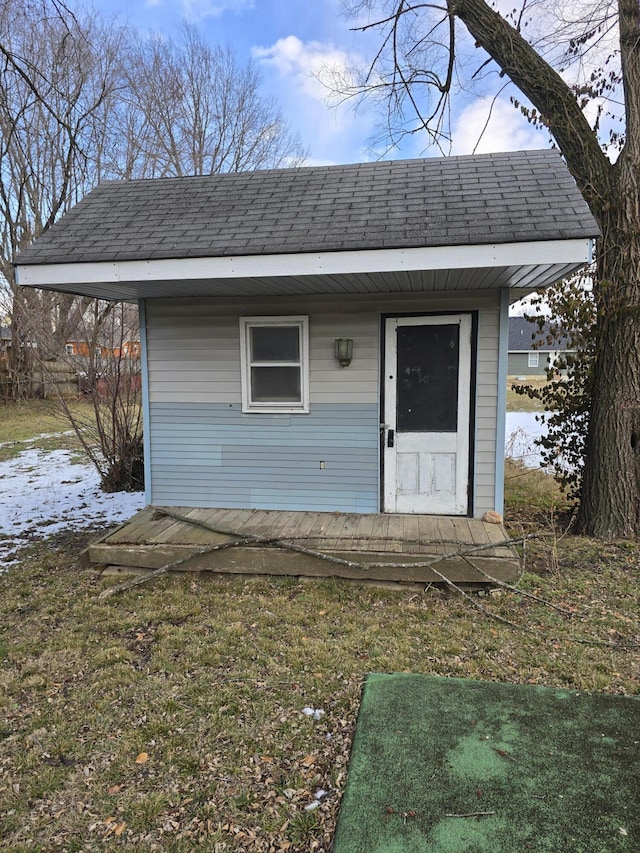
{"x": 205, "y": 452}
{"x": 228, "y": 459}
{"x": 195, "y": 357}
{"x": 518, "y": 364}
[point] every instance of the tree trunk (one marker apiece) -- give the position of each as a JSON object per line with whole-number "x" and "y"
{"x": 20, "y": 361}
{"x": 610, "y": 493}
{"x": 610, "y": 496}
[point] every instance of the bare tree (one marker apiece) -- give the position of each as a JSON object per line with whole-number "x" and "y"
{"x": 83, "y": 99}
{"x": 103, "y": 356}
{"x": 194, "y": 110}
{"x": 54, "y": 79}
{"x": 579, "y": 69}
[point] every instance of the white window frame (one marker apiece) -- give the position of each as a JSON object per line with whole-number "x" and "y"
{"x": 533, "y": 359}
{"x": 249, "y": 405}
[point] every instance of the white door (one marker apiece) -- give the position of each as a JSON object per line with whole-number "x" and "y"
{"x": 427, "y": 392}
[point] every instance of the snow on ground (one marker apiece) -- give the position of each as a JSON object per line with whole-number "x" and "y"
{"x": 521, "y": 430}
{"x": 44, "y": 492}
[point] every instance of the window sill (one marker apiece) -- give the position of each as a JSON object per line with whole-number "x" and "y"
{"x": 275, "y": 410}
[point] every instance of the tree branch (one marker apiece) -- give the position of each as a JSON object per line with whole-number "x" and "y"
{"x": 547, "y": 91}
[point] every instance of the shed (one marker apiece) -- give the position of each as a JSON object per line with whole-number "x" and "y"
{"x": 325, "y": 338}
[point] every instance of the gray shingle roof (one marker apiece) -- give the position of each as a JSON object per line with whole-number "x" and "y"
{"x": 489, "y": 198}
{"x": 523, "y": 333}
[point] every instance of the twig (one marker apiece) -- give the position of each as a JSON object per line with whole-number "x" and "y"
{"x": 469, "y": 814}
{"x": 515, "y": 589}
{"x": 503, "y": 754}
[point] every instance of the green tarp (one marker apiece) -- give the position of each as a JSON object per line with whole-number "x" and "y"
{"x": 447, "y": 764}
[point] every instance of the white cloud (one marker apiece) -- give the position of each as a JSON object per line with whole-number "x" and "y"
{"x": 198, "y": 10}
{"x": 313, "y": 67}
{"x": 308, "y": 75}
{"x": 485, "y": 126}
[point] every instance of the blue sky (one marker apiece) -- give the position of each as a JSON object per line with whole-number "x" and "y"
{"x": 295, "y": 41}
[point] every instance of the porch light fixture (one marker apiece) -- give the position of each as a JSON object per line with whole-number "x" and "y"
{"x": 344, "y": 351}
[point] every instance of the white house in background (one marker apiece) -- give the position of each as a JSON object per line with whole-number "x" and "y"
{"x": 325, "y": 338}
{"x": 530, "y": 352}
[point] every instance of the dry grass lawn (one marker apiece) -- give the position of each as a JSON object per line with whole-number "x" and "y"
{"x": 520, "y": 402}
{"x": 171, "y": 717}
{"x": 22, "y": 422}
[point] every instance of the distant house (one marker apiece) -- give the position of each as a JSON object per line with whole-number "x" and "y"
{"x": 530, "y": 353}
{"x": 77, "y": 348}
{"x": 325, "y": 338}
{"x": 129, "y": 350}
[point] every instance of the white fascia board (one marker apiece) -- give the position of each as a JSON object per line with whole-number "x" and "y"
{"x": 327, "y": 263}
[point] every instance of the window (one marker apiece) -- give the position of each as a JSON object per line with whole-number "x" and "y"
{"x": 533, "y": 359}
{"x": 274, "y": 355}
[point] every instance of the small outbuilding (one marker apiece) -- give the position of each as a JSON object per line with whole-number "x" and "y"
{"x": 326, "y": 338}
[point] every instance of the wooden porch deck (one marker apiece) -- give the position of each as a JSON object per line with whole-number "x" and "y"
{"x": 372, "y": 547}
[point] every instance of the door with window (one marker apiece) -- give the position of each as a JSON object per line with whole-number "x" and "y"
{"x": 427, "y": 399}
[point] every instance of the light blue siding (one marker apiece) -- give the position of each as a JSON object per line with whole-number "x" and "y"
{"x": 227, "y": 459}
{"x": 204, "y": 452}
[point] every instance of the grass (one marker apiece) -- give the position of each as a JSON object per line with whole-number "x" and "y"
{"x": 520, "y": 402}
{"x": 22, "y": 422}
{"x": 170, "y": 717}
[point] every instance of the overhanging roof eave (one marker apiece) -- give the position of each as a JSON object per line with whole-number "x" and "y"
{"x": 529, "y": 265}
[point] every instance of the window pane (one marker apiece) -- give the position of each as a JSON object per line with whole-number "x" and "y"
{"x": 427, "y": 385}
{"x": 275, "y": 385}
{"x": 275, "y": 343}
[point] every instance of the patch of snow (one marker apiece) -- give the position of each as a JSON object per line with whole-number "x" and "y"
{"x": 35, "y": 438}
{"x": 44, "y": 492}
{"x": 316, "y": 713}
{"x": 521, "y": 430}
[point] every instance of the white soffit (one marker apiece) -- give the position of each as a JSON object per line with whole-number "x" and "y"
{"x": 540, "y": 262}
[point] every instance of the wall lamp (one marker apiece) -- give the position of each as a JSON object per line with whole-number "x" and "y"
{"x": 344, "y": 351}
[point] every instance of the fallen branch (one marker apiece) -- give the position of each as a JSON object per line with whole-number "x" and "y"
{"x": 251, "y": 538}
{"x": 239, "y": 539}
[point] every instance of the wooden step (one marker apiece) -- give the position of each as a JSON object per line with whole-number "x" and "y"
{"x": 252, "y": 560}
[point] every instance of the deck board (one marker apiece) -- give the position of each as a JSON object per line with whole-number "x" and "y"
{"x": 393, "y": 540}
{"x": 330, "y": 535}
{"x": 150, "y": 540}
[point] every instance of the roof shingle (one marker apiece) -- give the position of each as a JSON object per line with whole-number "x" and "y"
{"x": 488, "y": 198}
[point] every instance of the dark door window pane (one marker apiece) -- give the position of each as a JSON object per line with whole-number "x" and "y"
{"x": 275, "y": 343}
{"x": 427, "y": 378}
{"x": 275, "y": 385}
